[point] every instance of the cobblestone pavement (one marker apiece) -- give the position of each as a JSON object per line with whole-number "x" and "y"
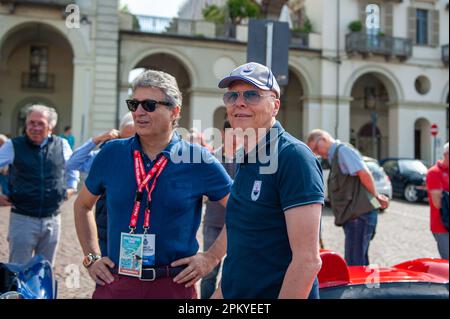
{"x": 402, "y": 234}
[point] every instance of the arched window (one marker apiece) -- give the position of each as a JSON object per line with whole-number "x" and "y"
{"x": 373, "y": 18}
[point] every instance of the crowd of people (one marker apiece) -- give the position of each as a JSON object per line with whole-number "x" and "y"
{"x": 138, "y": 212}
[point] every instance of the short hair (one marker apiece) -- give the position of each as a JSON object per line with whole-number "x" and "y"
{"x": 161, "y": 80}
{"x": 68, "y": 127}
{"x": 126, "y": 120}
{"x": 315, "y": 134}
{"x": 49, "y": 112}
{"x": 446, "y": 148}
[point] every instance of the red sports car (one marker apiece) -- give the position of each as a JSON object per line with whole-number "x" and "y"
{"x": 420, "y": 278}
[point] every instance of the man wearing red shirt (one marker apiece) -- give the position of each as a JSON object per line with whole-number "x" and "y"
{"x": 437, "y": 181}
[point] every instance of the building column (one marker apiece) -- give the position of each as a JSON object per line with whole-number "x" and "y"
{"x": 402, "y": 118}
{"x": 82, "y": 99}
{"x": 123, "y": 95}
{"x": 203, "y": 103}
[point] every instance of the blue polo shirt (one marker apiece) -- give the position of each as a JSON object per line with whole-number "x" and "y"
{"x": 176, "y": 204}
{"x": 258, "y": 250}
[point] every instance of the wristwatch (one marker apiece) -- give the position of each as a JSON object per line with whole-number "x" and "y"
{"x": 90, "y": 259}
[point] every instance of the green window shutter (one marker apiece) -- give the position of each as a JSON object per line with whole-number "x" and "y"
{"x": 388, "y": 27}
{"x": 434, "y": 15}
{"x": 412, "y": 19}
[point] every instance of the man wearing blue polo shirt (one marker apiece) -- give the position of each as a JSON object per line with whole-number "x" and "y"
{"x": 273, "y": 213}
{"x": 153, "y": 199}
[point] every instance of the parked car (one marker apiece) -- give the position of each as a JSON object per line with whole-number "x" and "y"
{"x": 424, "y": 278}
{"x": 407, "y": 176}
{"x": 382, "y": 181}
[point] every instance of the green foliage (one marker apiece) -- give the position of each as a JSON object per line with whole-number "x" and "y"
{"x": 241, "y": 9}
{"x": 355, "y": 26}
{"x": 213, "y": 13}
{"x": 307, "y": 26}
{"x": 125, "y": 9}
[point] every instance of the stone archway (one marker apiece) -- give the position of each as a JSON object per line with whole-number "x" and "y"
{"x": 220, "y": 115}
{"x": 422, "y": 140}
{"x": 371, "y": 93}
{"x": 291, "y": 110}
{"x": 368, "y": 140}
{"x": 170, "y": 64}
{"x": 36, "y": 64}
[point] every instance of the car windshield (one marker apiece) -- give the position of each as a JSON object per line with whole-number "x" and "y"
{"x": 412, "y": 166}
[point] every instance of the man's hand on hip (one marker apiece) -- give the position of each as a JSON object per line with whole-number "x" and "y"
{"x": 100, "y": 273}
{"x": 4, "y": 201}
{"x": 198, "y": 266}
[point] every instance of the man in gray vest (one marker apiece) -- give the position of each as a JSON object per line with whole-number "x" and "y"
{"x": 353, "y": 196}
{"x": 38, "y": 184}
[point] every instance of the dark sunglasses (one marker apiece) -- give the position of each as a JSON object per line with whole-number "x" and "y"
{"x": 148, "y": 105}
{"x": 250, "y": 96}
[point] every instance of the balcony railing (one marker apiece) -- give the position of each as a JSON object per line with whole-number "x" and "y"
{"x": 55, "y": 3}
{"x": 445, "y": 54}
{"x": 38, "y": 81}
{"x": 366, "y": 44}
{"x": 197, "y": 29}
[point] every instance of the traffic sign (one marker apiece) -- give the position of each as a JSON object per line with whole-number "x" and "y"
{"x": 434, "y": 130}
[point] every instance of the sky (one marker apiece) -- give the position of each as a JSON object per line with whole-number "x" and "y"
{"x": 158, "y": 8}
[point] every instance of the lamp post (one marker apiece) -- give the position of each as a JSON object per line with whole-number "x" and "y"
{"x": 371, "y": 104}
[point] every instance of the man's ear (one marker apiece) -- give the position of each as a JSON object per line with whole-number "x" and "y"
{"x": 176, "y": 112}
{"x": 276, "y": 108}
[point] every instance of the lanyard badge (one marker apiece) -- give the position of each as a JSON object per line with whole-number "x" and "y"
{"x": 138, "y": 250}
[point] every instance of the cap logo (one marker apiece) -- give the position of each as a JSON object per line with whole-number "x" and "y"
{"x": 248, "y": 69}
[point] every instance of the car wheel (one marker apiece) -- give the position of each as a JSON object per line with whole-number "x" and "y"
{"x": 410, "y": 193}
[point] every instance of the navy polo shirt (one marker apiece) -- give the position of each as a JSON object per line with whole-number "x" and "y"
{"x": 258, "y": 250}
{"x": 176, "y": 204}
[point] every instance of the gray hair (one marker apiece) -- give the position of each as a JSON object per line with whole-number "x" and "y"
{"x": 126, "y": 120}
{"x": 49, "y": 112}
{"x": 160, "y": 80}
{"x": 316, "y": 133}
{"x": 446, "y": 148}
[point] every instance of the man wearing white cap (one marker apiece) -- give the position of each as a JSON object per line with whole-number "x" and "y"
{"x": 273, "y": 216}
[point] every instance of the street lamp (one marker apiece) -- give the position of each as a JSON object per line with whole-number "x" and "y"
{"x": 371, "y": 104}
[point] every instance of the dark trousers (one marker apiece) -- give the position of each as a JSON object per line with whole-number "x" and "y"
{"x": 124, "y": 287}
{"x": 208, "y": 283}
{"x": 358, "y": 234}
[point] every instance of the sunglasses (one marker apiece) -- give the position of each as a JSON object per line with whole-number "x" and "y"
{"x": 148, "y": 105}
{"x": 250, "y": 97}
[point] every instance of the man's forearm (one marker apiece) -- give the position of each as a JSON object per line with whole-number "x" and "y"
{"x": 299, "y": 279}
{"x": 368, "y": 182}
{"x": 86, "y": 230}
{"x": 219, "y": 248}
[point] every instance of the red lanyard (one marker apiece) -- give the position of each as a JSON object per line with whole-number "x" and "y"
{"x": 142, "y": 181}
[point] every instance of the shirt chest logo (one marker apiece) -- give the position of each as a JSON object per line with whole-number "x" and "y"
{"x": 256, "y": 190}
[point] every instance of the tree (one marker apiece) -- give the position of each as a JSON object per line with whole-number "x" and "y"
{"x": 241, "y": 9}
{"x": 214, "y": 13}
{"x": 234, "y": 11}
